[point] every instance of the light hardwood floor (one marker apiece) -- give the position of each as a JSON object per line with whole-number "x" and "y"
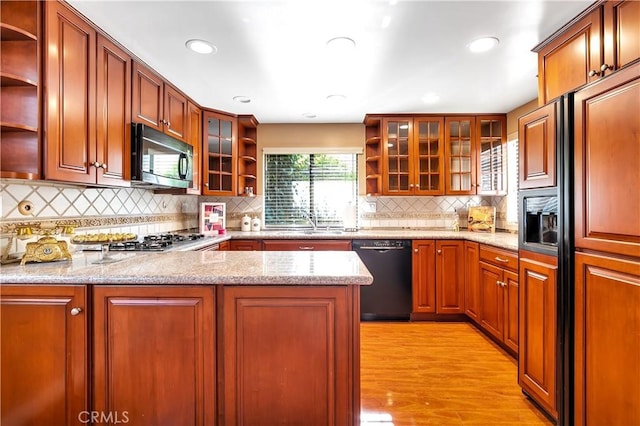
{"x": 425, "y": 373}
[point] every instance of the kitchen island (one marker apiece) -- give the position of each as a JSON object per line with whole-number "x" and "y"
{"x": 227, "y": 338}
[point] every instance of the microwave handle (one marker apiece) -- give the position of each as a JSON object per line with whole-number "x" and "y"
{"x": 183, "y": 160}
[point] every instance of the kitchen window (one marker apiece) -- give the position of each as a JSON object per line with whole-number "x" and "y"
{"x": 309, "y": 189}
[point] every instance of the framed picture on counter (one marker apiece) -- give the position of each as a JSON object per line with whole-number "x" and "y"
{"x": 212, "y": 218}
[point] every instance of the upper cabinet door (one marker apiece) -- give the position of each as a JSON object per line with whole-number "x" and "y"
{"x": 607, "y": 164}
{"x": 397, "y": 142}
{"x": 621, "y": 32}
{"x": 70, "y": 106}
{"x": 175, "y": 113}
{"x": 571, "y": 59}
{"x": 491, "y": 148}
{"x": 113, "y": 99}
{"x": 147, "y": 97}
{"x": 460, "y": 156}
{"x": 537, "y": 148}
{"x": 220, "y": 154}
{"x": 428, "y": 156}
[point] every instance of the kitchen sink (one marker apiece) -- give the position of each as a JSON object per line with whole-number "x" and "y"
{"x": 310, "y": 232}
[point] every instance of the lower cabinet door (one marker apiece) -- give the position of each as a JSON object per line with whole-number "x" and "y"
{"x": 537, "y": 352}
{"x": 290, "y": 356}
{"x": 511, "y": 309}
{"x": 154, "y": 354}
{"x": 44, "y": 368}
{"x": 607, "y": 341}
{"x": 449, "y": 277}
{"x": 472, "y": 281}
{"x": 491, "y": 294}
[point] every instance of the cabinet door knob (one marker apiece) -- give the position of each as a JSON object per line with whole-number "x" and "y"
{"x": 75, "y": 311}
{"x": 104, "y": 166}
{"x": 605, "y": 67}
{"x": 415, "y": 250}
{"x": 96, "y": 164}
{"x": 593, "y": 73}
{"x": 439, "y": 251}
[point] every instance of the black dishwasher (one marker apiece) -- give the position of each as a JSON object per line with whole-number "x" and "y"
{"x": 389, "y": 296}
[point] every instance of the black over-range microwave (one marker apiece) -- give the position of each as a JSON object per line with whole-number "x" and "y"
{"x": 158, "y": 160}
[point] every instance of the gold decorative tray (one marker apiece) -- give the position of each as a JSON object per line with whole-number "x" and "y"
{"x": 46, "y": 249}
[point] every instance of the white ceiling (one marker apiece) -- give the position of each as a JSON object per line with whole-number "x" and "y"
{"x": 275, "y": 53}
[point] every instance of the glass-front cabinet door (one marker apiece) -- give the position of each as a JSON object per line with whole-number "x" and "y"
{"x": 491, "y": 147}
{"x": 428, "y": 141}
{"x": 397, "y": 140}
{"x": 219, "y": 159}
{"x": 460, "y": 155}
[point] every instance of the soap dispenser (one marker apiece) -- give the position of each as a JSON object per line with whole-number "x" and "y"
{"x": 245, "y": 223}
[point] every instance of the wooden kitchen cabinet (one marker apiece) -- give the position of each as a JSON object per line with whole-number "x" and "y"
{"x": 472, "y": 280}
{"x": 499, "y": 292}
{"x": 373, "y": 155}
{"x": 247, "y": 154}
{"x": 245, "y": 245}
{"x": 20, "y": 89}
{"x": 537, "y": 148}
{"x": 194, "y": 138}
{"x": 423, "y": 281}
{"x": 87, "y": 102}
{"x": 606, "y": 159}
{"x": 302, "y": 372}
{"x": 437, "y": 277}
{"x": 491, "y": 147}
{"x": 220, "y": 154}
{"x": 44, "y": 367}
{"x": 537, "y": 321}
{"x": 157, "y": 104}
{"x": 306, "y": 245}
{"x": 598, "y": 42}
{"x": 460, "y": 155}
{"x": 449, "y": 277}
{"x": 154, "y": 354}
{"x": 607, "y": 318}
{"x": 412, "y": 150}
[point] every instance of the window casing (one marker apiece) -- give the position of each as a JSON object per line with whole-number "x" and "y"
{"x": 301, "y": 189}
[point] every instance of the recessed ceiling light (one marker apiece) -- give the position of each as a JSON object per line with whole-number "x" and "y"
{"x": 337, "y": 98}
{"x": 201, "y": 46}
{"x": 309, "y": 115}
{"x": 483, "y": 44}
{"x": 341, "y": 44}
{"x": 242, "y": 99}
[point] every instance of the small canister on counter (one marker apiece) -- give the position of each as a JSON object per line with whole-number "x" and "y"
{"x": 255, "y": 224}
{"x": 245, "y": 223}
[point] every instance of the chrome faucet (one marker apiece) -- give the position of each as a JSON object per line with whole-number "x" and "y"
{"x": 311, "y": 219}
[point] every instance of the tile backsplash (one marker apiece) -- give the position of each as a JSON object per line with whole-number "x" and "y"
{"x": 142, "y": 212}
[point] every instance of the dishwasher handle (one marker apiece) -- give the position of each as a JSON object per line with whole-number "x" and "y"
{"x": 381, "y": 248}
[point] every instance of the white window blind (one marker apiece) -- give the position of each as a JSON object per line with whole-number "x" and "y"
{"x": 303, "y": 188}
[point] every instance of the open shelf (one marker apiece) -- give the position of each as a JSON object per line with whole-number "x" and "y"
{"x": 12, "y": 33}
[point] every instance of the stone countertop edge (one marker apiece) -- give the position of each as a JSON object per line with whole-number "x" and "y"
{"x": 504, "y": 240}
{"x": 198, "y": 268}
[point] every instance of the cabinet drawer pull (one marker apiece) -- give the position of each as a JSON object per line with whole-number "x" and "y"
{"x": 305, "y": 248}
{"x": 501, "y": 260}
{"x": 75, "y": 311}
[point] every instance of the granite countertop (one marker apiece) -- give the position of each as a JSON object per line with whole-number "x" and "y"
{"x": 206, "y": 267}
{"x": 499, "y": 239}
